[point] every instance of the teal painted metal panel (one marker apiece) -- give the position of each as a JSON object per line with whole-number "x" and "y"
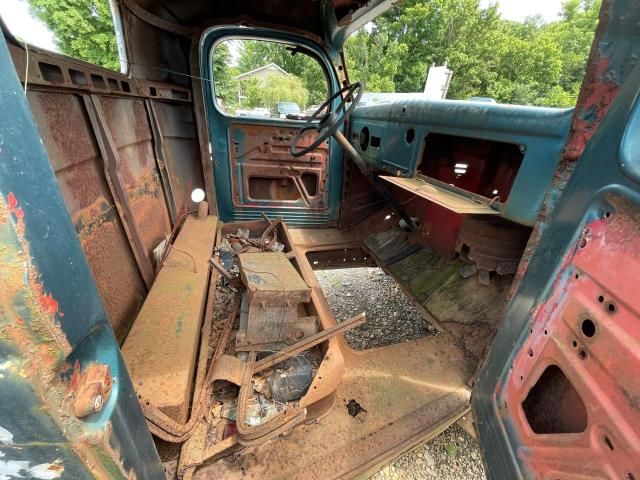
{"x": 52, "y": 320}
{"x": 541, "y": 133}
{"x": 219, "y": 127}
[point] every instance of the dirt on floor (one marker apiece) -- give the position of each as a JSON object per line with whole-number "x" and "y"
{"x": 454, "y": 454}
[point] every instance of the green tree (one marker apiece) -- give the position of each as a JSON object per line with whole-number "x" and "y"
{"x": 528, "y": 63}
{"x": 287, "y": 88}
{"x": 257, "y": 53}
{"x": 276, "y": 88}
{"x": 374, "y": 59}
{"x": 82, "y": 28}
{"x": 226, "y": 85}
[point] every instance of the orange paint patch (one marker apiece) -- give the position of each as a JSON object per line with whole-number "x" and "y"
{"x": 12, "y": 202}
{"x": 49, "y": 304}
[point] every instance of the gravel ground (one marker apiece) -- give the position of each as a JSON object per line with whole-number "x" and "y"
{"x": 454, "y": 454}
{"x": 354, "y": 290}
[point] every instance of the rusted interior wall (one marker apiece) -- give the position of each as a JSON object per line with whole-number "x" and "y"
{"x": 74, "y": 152}
{"x": 78, "y": 165}
{"x": 180, "y": 139}
{"x": 137, "y": 171}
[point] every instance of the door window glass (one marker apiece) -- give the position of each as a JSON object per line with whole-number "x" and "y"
{"x": 266, "y": 79}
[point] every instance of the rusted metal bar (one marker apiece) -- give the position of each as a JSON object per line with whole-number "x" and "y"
{"x": 309, "y": 342}
{"x": 362, "y": 166}
{"x": 220, "y": 268}
{"x": 111, "y": 158}
{"x": 264, "y": 215}
{"x": 158, "y": 147}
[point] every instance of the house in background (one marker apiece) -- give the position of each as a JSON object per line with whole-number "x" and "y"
{"x": 258, "y": 77}
{"x": 262, "y": 73}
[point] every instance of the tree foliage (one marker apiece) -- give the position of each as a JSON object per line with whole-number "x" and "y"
{"x": 527, "y": 63}
{"x": 257, "y": 53}
{"x": 226, "y": 85}
{"x": 83, "y": 29}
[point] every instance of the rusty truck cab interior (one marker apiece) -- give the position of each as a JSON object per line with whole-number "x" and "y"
{"x": 203, "y": 224}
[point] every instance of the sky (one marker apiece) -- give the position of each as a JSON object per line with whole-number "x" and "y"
{"x": 520, "y": 9}
{"x": 15, "y": 14}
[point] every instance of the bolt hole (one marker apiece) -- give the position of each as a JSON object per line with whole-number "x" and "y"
{"x": 607, "y": 214}
{"x": 607, "y": 440}
{"x": 521, "y": 378}
{"x": 611, "y": 307}
{"x": 583, "y": 242}
{"x": 575, "y": 344}
{"x": 411, "y": 134}
{"x": 146, "y": 403}
{"x": 601, "y": 299}
{"x": 531, "y": 352}
{"x": 588, "y": 328}
{"x": 577, "y": 276}
{"x": 545, "y": 332}
{"x": 583, "y": 354}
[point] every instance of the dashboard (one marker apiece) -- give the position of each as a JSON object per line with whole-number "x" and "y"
{"x": 504, "y": 153}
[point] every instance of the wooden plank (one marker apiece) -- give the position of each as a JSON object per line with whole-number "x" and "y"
{"x": 441, "y": 196}
{"x": 160, "y": 351}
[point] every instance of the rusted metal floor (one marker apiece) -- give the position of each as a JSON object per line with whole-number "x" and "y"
{"x": 403, "y": 394}
{"x": 410, "y": 392}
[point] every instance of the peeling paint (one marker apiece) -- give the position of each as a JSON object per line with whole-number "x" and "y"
{"x": 29, "y": 321}
{"x": 11, "y": 469}
{"x": 6, "y": 437}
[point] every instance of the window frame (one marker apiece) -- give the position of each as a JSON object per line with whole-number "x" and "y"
{"x": 288, "y": 40}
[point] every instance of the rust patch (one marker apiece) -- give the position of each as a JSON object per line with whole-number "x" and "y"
{"x": 588, "y": 329}
{"x": 88, "y": 220}
{"x": 597, "y": 93}
{"x": 29, "y": 320}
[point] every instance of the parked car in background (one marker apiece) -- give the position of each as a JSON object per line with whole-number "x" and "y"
{"x": 282, "y": 109}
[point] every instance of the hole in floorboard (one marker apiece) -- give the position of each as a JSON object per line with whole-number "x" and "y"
{"x": 553, "y": 405}
{"x": 391, "y": 315}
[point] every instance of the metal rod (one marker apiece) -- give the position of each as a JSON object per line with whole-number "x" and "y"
{"x": 382, "y": 190}
{"x": 309, "y": 342}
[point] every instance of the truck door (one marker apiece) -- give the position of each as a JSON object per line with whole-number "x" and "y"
{"x": 263, "y": 85}
{"x": 559, "y": 394}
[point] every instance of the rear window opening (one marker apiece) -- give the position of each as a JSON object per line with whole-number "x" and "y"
{"x": 392, "y": 316}
{"x": 483, "y": 167}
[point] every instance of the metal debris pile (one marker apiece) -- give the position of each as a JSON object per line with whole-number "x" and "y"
{"x": 264, "y": 347}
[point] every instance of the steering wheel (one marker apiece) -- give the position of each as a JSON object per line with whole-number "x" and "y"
{"x": 328, "y": 123}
